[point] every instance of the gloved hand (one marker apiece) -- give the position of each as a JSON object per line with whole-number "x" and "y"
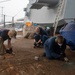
{"x": 62, "y": 56}
{"x": 66, "y": 59}
{"x": 9, "y": 51}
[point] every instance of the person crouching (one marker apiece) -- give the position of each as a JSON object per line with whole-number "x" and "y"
{"x": 6, "y": 34}
{"x": 55, "y": 48}
{"x": 40, "y": 36}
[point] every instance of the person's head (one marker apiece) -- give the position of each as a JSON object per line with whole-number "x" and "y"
{"x": 12, "y": 34}
{"x": 59, "y": 40}
{"x": 37, "y": 30}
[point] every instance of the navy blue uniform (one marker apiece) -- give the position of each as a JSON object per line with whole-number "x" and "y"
{"x": 43, "y": 35}
{"x": 53, "y": 50}
{"x": 4, "y": 34}
{"x": 43, "y": 32}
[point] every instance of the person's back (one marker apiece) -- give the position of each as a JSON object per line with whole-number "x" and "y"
{"x": 55, "y": 47}
{"x": 4, "y": 34}
{"x": 43, "y": 32}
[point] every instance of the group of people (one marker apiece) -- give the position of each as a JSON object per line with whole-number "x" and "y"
{"x": 54, "y": 47}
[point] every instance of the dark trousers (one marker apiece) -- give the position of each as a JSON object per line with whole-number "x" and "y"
{"x": 1, "y": 47}
{"x": 43, "y": 38}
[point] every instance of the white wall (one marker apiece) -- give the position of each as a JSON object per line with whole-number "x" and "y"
{"x": 43, "y": 15}
{"x": 69, "y": 9}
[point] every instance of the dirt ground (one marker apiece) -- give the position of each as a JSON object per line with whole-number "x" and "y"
{"x": 23, "y": 62}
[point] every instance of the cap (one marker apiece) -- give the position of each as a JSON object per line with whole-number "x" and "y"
{"x": 14, "y": 33}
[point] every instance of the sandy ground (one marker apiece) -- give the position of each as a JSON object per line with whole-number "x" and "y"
{"x": 23, "y": 62}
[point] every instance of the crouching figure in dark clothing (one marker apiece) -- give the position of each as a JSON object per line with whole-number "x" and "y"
{"x": 55, "y": 48}
{"x": 6, "y": 34}
{"x": 40, "y": 36}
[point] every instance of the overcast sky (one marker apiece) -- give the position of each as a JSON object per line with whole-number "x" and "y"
{"x": 12, "y": 8}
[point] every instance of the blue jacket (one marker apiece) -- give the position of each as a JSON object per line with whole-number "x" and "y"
{"x": 43, "y": 32}
{"x": 53, "y": 49}
{"x": 4, "y": 34}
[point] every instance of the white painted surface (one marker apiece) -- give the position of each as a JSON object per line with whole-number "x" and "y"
{"x": 44, "y": 15}
{"x": 69, "y": 9}
{"x": 47, "y": 15}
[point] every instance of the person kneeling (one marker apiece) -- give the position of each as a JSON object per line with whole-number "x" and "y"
{"x": 40, "y": 36}
{"x": 55, "y": 48}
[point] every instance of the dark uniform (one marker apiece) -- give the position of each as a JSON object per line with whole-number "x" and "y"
{"x": 53, "y": 50}
{"x": 42, "y": 35}
{"x": 3, "y": 36}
